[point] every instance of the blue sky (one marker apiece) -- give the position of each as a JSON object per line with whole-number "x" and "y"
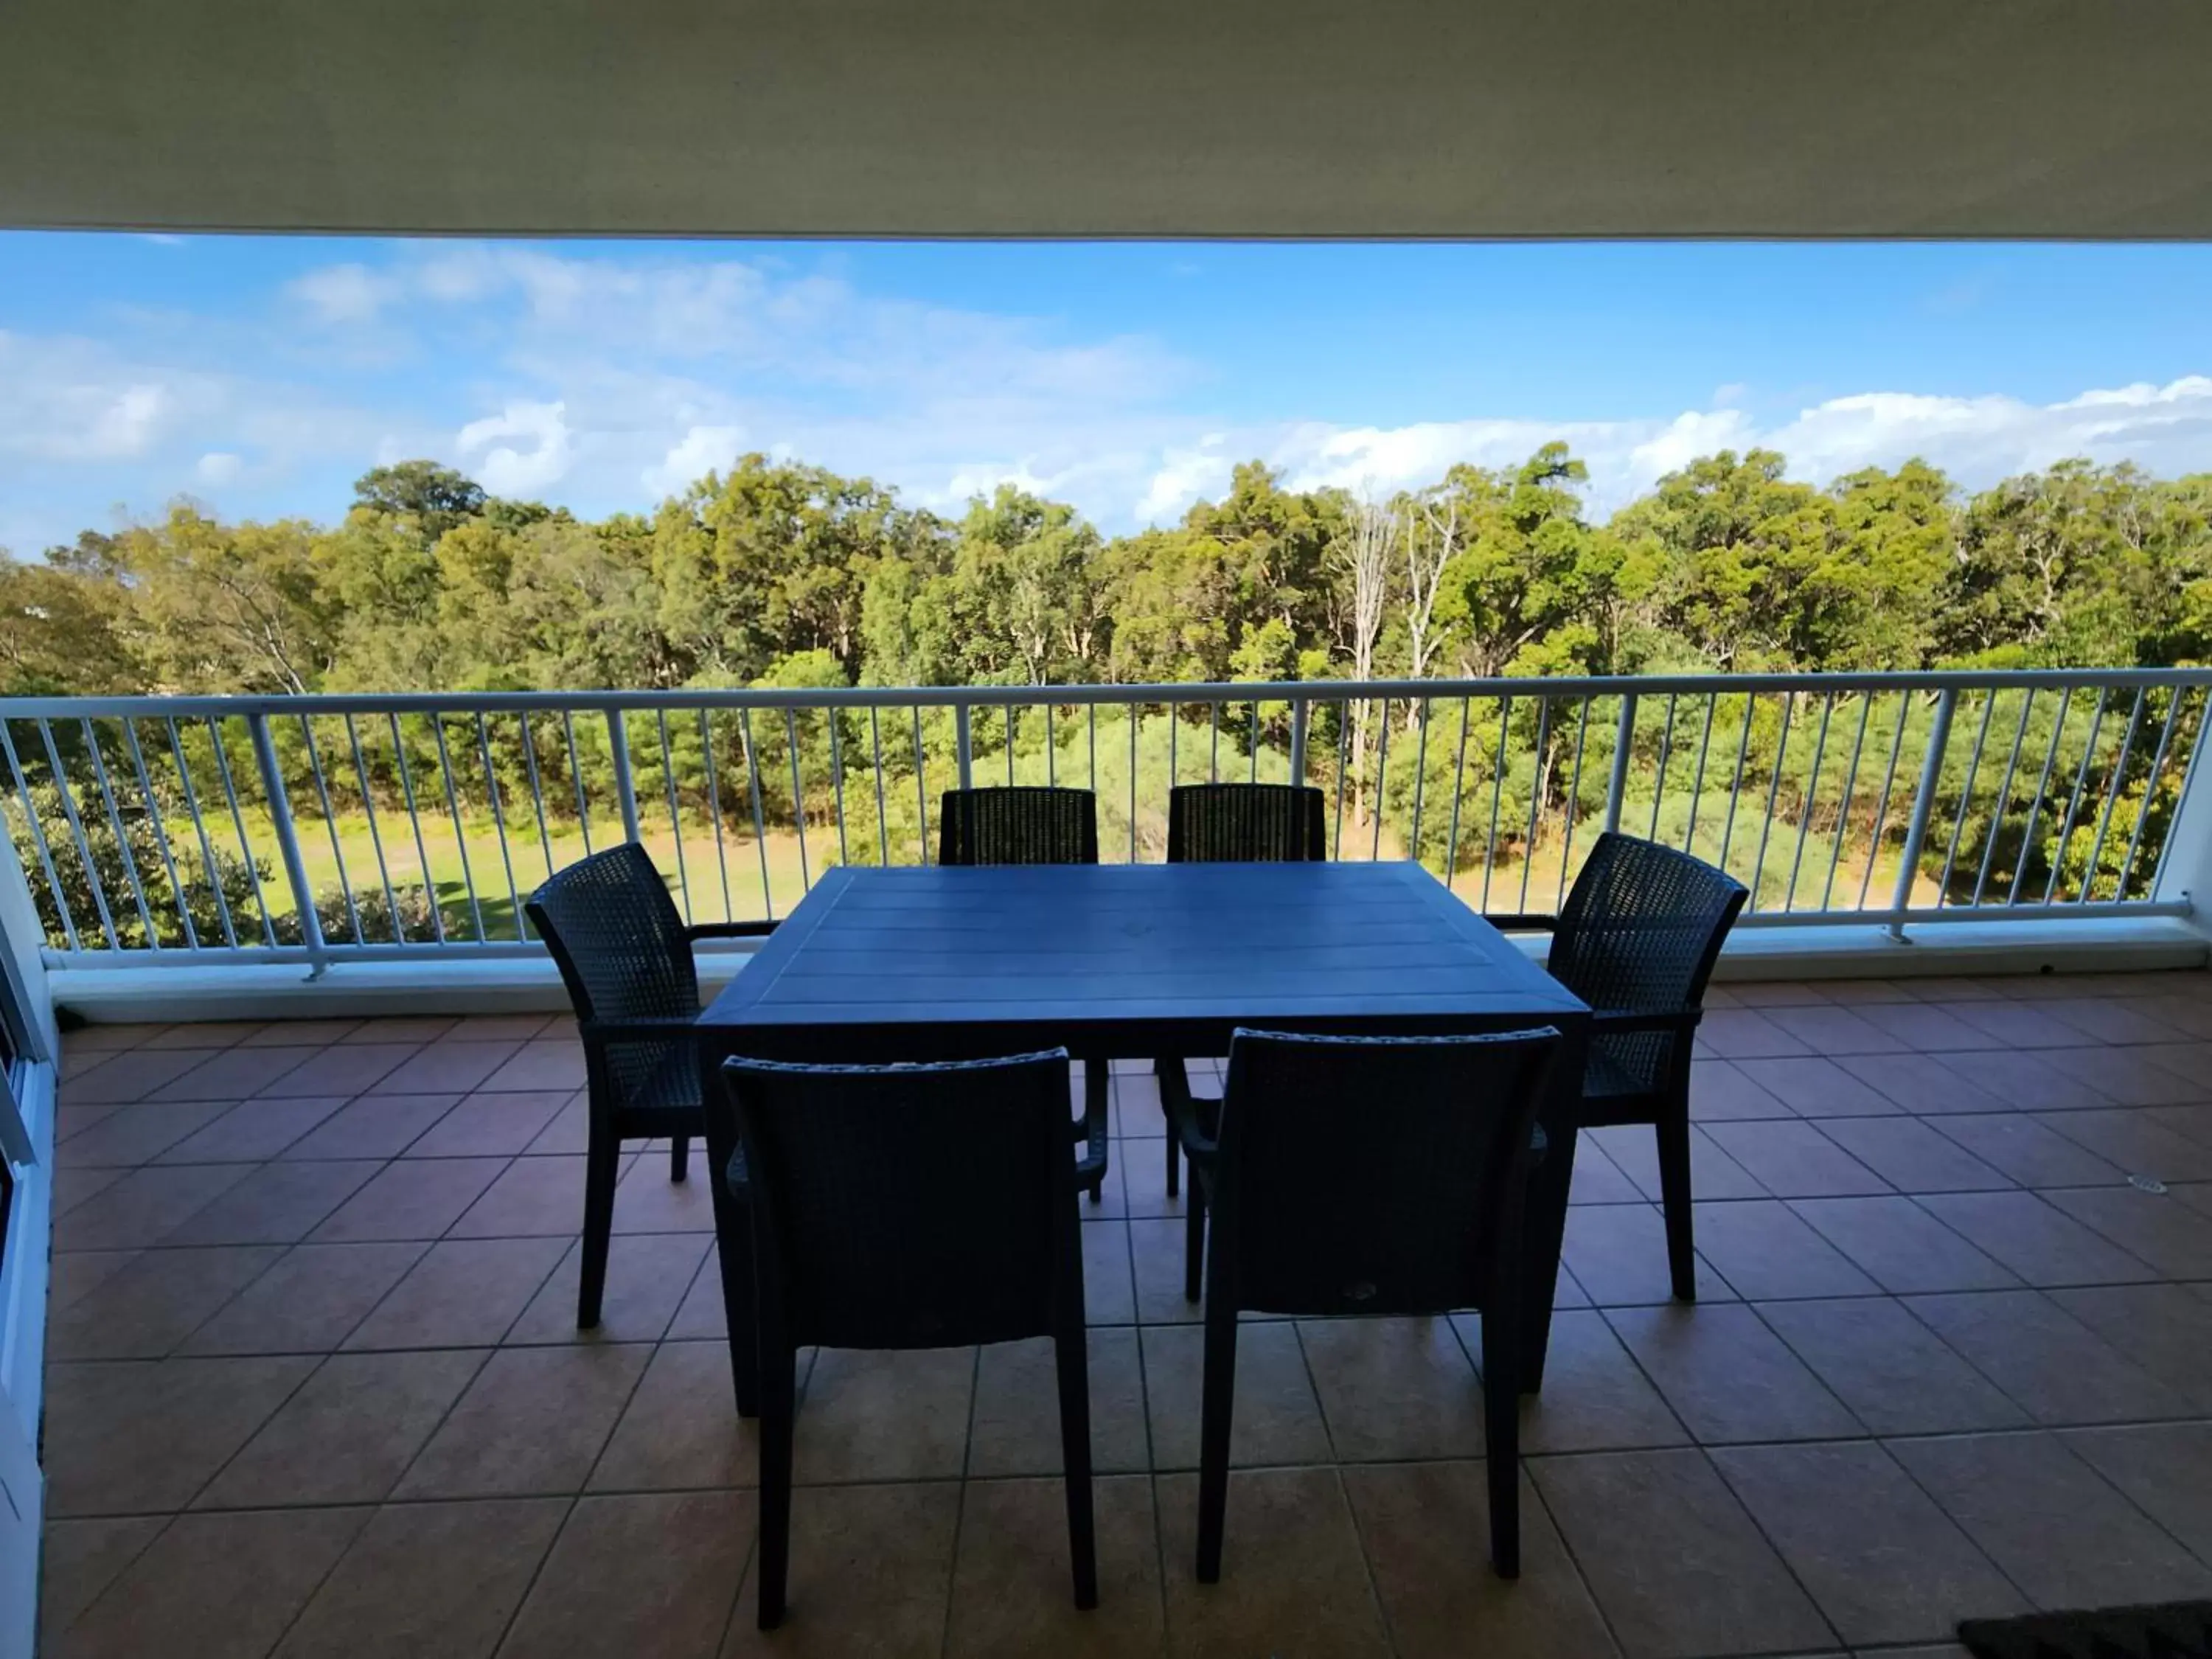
{"x": 261, "y": 375}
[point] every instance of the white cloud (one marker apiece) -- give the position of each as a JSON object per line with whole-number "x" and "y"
{"x": 218, "y": 467}
{"x": 700, "y": 450}
{"x": 344, "y": 294}
{"x": 504, "y": 470}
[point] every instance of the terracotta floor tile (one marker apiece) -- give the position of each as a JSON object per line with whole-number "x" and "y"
{"x": 538, "y": 1197}
{"x": 1293, "y": 1580}
{"x": 1765, "y": 1250}
{"x": 534, "y": 1421}
{"x": 71, "y": 1187}
{"x": 489, "y": 1125}
{"x": 1812, "y": 1085}
{"x": 138, "y": 1437}
{"x": 681, "y": 1430}
{"x": 1597, "y": 1179}
{"x": 80, "y": 1559}
{"x": 297, "y": 1033}
{"x": 1913, "y": 1157}
{"x": 2156, "y": 1228}
{"x": 1017, "y": 1417}
{"x": 647, "y": 1276}
{"x": 648, "y": 1201}
{"x": 2016, "y": 1144}
{"x": 2049, "y": 1362}
{"x": 2112, "y": 1019}
{"x": 699, "y": 1316}
{"x": 1394, "y": 1388}
{"x": 254, "y": 1130}
{"x": 277, "y": 1204}
{"x": 152, "y": 1303}
{"x": 2165, "y": 1329}
{"x": 382, "y": 1126}
{"x": 2015, "y": 1025}
{"x": 76, "y": 1275}
{"x": 1836, "y": 1030}
{"x": 1917, "y": 1083}
{"x": 1634, "y": 1151}
{"x": 1595, "y": 1397}
{"x": 1111, "y": 1295}
{"x": 651, "y": 1573}
{"x": 1895, "y": 1375}
{"x": 146, "y": 1207}
{"x": 346, "y": 1068}
{"x": 414, "y": 1031}
{"x": 2128, "y": 1077}
{"x": 1925, "y": 1027}
{"x": 133, "y": 1074}
{"x": 1012, "y": 1591}
{"x": 1618, "y": 1253}
{"x": 871, "y": 1572}
{"x": 1274, "y": 1418}
{"x": 1728, "y": 1377}
{"x": 1677, "y": 1566}
{"x": 204, "y": 1034}
{"x": 569, "y": 1131}
{"x": 1719, "y": 1090}
{"x": 548, "y": 1063}
{"x": 2063, "y": 1536}
{"x": 349, "y": 1432}
{"x": 309, "y": 1302}
{"x": 1746, "y": 1033}
{"x": 512, "y": 1028}
{"x": 448, "y": 1065}
{"x": 2044, "y": 1246}
{"x": 2136, "y": 1142}
{"x": 2165, "y": 1468}
{"x": 1880, "y": 1559}
{"x": 234, "y": 1074}
{"x": 1779, "y": 994}
{"x": 412, "y": 1199}
{"x": 215, "y": 1586}
{"x": 2017, "y": 1081}
{"x": 460, "y": 1293}
{"x": 1796, "y": 1160}
{"x": 138, "y": 1134}
{"x": 428, "y": 1581}
{"x": 1426, "y": 1529}
{"x": 884, "y": 1416}
{"x": 2191, "y": 1122}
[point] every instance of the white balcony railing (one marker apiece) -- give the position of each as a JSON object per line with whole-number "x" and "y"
{"x": 162, "y": 830}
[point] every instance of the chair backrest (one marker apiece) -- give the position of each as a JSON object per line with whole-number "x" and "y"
{"x": 1372, "y": 1175}
{"x": 1643, "y": 926}
{"x": 1027, "y": 825}
{"x": 1253, "y": 822}
{"x": 912, "y": 1207}
{"x": 616, "y": 938}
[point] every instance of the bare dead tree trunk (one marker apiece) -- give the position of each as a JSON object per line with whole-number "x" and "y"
{"x": 1432, "y": 537}
{"x": 1374, "y": 531}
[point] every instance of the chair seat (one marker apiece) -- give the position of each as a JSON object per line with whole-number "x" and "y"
{"x": 1617, "y": 1084}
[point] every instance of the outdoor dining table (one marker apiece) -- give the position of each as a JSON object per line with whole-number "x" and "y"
{"x": 1138, "y": 962}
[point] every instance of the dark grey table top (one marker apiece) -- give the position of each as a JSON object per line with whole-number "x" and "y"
{"x": 1124, "y": 960}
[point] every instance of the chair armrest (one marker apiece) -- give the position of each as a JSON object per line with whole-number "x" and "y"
{"x": 1519, "y": 923}
{"x": 729, "y": 930}
{"x": 668, "y": 1028}
{"x": 1623, "y": 1022}
{"x": 1183, "y": 1115}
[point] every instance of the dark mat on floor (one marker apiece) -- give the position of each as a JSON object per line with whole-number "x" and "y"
{"x": 2173, "y": 1630}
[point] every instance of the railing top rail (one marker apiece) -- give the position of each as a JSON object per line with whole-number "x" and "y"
{"x": 948, "y": 697}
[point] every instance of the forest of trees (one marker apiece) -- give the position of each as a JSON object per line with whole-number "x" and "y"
{"x": 782, "y": 575}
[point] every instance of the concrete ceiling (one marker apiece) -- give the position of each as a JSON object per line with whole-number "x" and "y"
{"x": 1112, "y": 117}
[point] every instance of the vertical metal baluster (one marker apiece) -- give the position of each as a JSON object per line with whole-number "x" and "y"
{"x": 1735, "y": 787}
{"x": 837, "y": 779}
{"x": 1496, "y": 795}
{"x": 2112, "y": 796}
{"x": 1093, "y": 748}
{"x": 1812, "y": 798}
{"x": 1459, "y": 790}
{"x": 39, "y": 840}
{"x": 2074, "y": 801}
{"x": 460, "y": 829}
{"x": 331, "y": 824}
{"x": 375, "y": 837}
{"x": 1010, "y": 745}
{"x": 1051, "y": 751}
{"x": 921, "y": 789}
{"x": 1574, "y": 801}
{"x": 237, "y": 824}
{"x": 1252, "y": 744}
{"x": 760, "y": 830}
{"x": 1773, "y": 796}
{"x": 798, "y": 798}
{"x": 1888, "y": 783}
{"x": 1666, "y": 754}
{"x": 633, "y": 820}
{"x": 963, "y": 735}
{"x": 1213, "y": 762}
{"x": 2150, "y": 788}
{"x": 499, "y": 824}
{"x": 1624, "y": 746}
{"x": 2004, "y": 797}
{"x": 882, "y": 821}
{"x": 1843, "y": 806}
{"x": 1923, "y": 809}
{"x": 84, "y": 842}
{"x": 576, "y": 779}
{"x": 1698, "y": 780}
{"x": 1175, "y": 766}
{"x": 1966, "y": 801}
{"x": 288, "y": 840}
{"x": 1382, "y": 771}
{"x": 675, "y": 816}
{"x": 2189, "y": 771}
{"x": 199, "y": 825}
{"x": 421, "y": 847}
{"x": 537, "y": 789}
{"x": 1300, "y": 715}
{"x": 1343, "y": 736}
{"x": 714, "y": 812}
{"x": 121, "y": 840}
{"x": 2035, "y": 807}
{"x": 1535, "y": 797}
{"x": 160, "y": 833}
{"x": 1133, "y": 712}
{"x": 1420, "y": 777}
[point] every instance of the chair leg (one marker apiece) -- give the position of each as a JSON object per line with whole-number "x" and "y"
{"x": 679, "y": 1157}
{"x": 1194, "y": 1240}
{"x": 1173, "y": 1079}
{"x": 1071, "y": 1356}
{"x": 776, "y": 1411}
{"x": 733, "y": 1260}
{"x": 1675, "y": 1202}
{"x": 1501, "y": 1430}
{"x": 1218, "y": 1392}
{"x": 1098, "y": 1098}
{"x": 602, "y": 1162}
{"x": 1174, "y": 1161}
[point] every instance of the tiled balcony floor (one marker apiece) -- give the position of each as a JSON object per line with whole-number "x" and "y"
{"x": 315, "y": 1389}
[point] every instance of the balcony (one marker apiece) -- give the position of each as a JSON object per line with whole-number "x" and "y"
{"x": 314, "y": 1385}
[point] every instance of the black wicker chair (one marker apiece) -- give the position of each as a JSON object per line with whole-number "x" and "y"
{"x": 1235, "y": 824}
{"x": 1367, "y": 1176}
{"x": 1027, "y": 825}
{"x": 1642, "y": 929}
{"x": 912, "y": 1207}
{"x": 625, "y": 956}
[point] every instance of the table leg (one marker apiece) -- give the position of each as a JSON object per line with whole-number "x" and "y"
{"x": 1545, "y": 1226}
